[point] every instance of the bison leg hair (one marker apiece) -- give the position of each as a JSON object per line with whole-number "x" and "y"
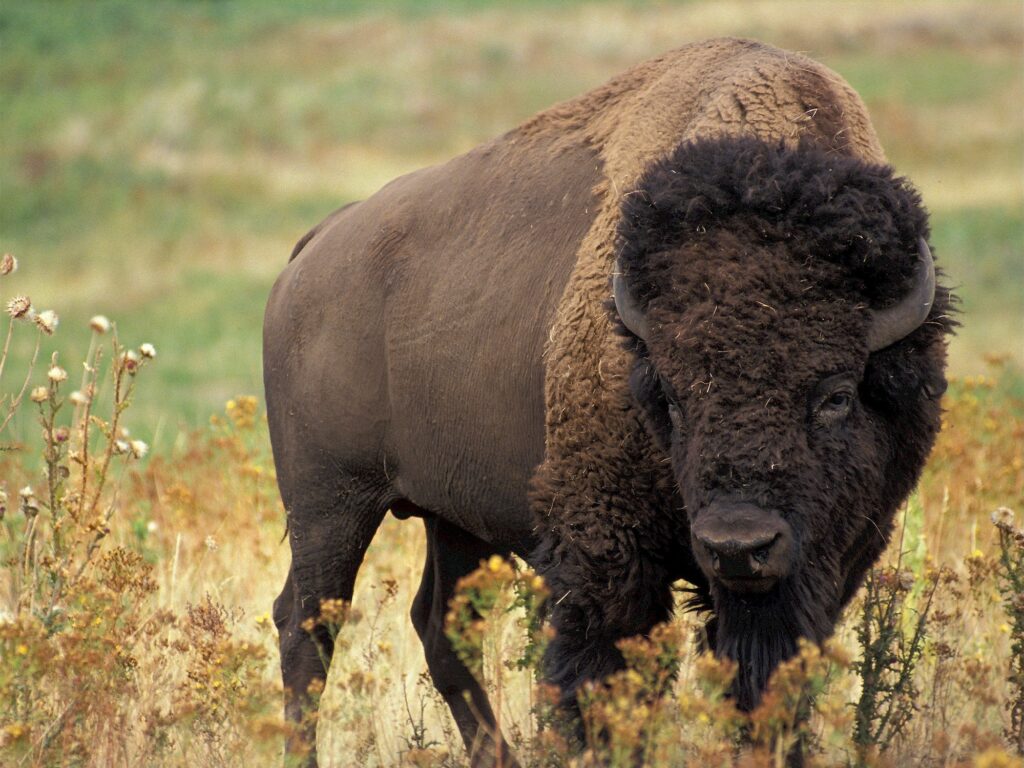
{"x": 596, "y": 603}
{"x": 452, "y": 554}
{"x": 328, "y": 542}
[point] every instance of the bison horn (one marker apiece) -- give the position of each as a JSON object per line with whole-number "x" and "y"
{"x": 630, "y": 314}
{"x": 896, "y": 322}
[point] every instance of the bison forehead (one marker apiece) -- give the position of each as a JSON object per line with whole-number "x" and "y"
{"x": 781, "y": 374}
{"x": 755, "y": 321}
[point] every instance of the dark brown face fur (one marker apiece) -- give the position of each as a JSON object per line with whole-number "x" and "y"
{"x": 755, "y": 266}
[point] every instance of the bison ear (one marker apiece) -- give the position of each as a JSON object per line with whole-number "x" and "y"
{"x": 901, "y": 375}
{"x": 647, "y": 391}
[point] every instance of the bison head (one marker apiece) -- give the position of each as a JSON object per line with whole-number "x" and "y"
{"x": 790, "y": 347}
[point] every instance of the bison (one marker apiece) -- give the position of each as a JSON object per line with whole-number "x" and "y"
{"x": 684, "y": 326}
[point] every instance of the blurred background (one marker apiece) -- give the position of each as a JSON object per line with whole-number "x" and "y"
{"x": 160, "y": 159}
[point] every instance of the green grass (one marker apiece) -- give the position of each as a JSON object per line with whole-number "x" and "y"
{"x": 980, "y": 247}
{"x": 160, "y": 159}
{"x": 925, "y": 78}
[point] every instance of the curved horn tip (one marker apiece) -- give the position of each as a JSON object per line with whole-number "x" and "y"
{"x": 900, "y": 320}
{"x": 630, "y": 314}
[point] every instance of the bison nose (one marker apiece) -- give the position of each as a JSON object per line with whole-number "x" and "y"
{"x": 745, "y": 547}
{"x": 735, "y": 557}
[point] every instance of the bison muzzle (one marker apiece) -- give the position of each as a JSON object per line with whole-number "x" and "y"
{"x": 743, "y": 546}
{"x": 685, "y": 326}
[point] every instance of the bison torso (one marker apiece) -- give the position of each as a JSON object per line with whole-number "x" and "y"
{"x": 407, "y": 334}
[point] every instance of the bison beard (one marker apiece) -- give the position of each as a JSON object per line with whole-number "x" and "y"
{"x": 759, "y": 632}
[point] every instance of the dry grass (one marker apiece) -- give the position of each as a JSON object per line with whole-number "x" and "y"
{"x": 135, "y": 625}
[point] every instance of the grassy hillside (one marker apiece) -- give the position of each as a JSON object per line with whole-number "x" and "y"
{"x": 160, "y": 159}
{"x": 158, "y": 162}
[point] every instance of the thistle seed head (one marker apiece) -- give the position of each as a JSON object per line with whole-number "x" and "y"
{"x": 19, "y": 307}
{"x": 1002, "y": 518}
{"x": 8, "y": 264}
{"x": 131, "y": 362}
{"x": 47, "y": 321}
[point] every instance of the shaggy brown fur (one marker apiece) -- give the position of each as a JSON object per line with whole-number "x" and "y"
{"x": 601, "y": 474}
{"x": 756, "y": 264}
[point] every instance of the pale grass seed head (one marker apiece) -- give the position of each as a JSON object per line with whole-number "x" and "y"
{"x": 47, "y": 321}
{"x": 138, "y": 448}
{"x": 99, "y": 324}
{"x": 8, "y": 264}
{"x": 1002, "y": 518}
{"x": 148, "y": 351}
{"x": 131, "y": 362}
{"x": 57, "y": 375}
{"x": 39, "y": 395}
{"x": 29, "y": 505}
{"x": 19, "y": 307}
{"x": 78, "y": 398}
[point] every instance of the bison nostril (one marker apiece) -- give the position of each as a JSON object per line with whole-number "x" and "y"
{"x": 742, "y": 546}
{"x": 741, "y": 557}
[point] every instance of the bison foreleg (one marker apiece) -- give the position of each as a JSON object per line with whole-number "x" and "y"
{"x": 597, "y": 601}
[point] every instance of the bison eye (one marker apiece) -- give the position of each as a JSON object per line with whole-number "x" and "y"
{"x": 832, "y": 400}
{"x": 834, "y": 407}
{"x": 839, "y": 401}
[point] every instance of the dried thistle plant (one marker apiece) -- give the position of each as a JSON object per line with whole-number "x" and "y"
{"x": 891, "y": 634}
{"x": 1011, "y": 587}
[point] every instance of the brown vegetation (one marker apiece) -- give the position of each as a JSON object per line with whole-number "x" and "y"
{"x": 134, "y": 627}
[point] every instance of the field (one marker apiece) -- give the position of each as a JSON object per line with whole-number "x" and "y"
{"x": 158, "y": 162}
